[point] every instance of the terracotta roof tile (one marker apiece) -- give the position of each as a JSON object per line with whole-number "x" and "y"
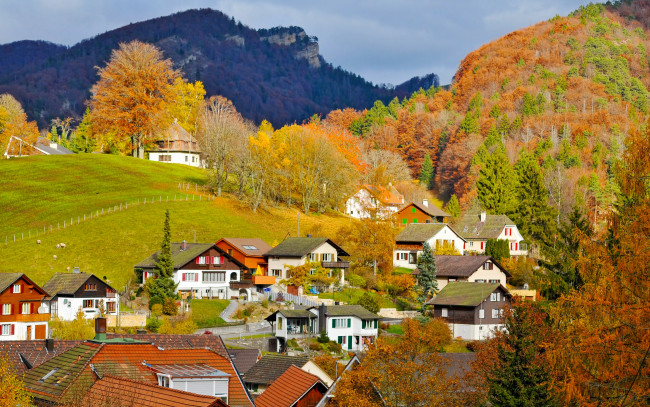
{"x": 249, "y": 246}
{"x": 289, "y": 388}
{"x": 111, "y": 390}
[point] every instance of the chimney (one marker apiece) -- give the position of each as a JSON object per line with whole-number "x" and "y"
{"x": 100, "y": 329}
{"x": 425, "y": 202}
{"x": 49, "y": 344}
{"x": 75, "y": 270}
{"x": 483, "y": 216}
{"x": 183, "y": 245}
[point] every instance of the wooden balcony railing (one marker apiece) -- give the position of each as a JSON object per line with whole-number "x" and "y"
{"x": 336, "y": 264}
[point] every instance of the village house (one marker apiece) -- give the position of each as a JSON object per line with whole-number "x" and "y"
{"x": 294, "y": 388}
{"x": 476, "y": 269}
{"x": 273, "y": 365}
{"x": 176, "y": 146}
{"x": 421, "y": 213}
{"x": 477, "y": 228}
{"x": 371, "y": 201}
{"x": 201, "y": 270}
{"x": 24, "y": 315}
{"x": 296, "y": 251}
{"x": 71, "y": 292}
{"x": 409, "y": 243}
{"x": 132, "y": 369}
{"x": 473, "y": 311}
{"x": 252, "y": 253}
{"x": 352, "y": 326}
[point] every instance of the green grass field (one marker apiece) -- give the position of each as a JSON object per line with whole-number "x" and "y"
{"x": 352, "y": 295}
{"x": 206, "y": 312}
{"x": 48, "y": 189}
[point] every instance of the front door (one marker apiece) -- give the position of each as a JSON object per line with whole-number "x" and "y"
{"x": 29, "y": 332}
{"x": 39, "y": 330}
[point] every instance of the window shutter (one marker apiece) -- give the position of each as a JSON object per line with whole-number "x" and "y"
{"x": 197, "y": 260}
{"x": 13, "y": 329}
{"x": 375, "y": 324}
{"x": 516, "y": 246}
{"x": 396, "y": 256}
{"x": 196, "y": 277}
{"x": 334, "y": 324}
{"x": 363, "y": 324}
{"x": 12, "y": 310}
{"x": 221, "y": 260}
{"x": 31, "y": 308}
{"x": 183, "y": 276}
{"x": 349, "y": 322}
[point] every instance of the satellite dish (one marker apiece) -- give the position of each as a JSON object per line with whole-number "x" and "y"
{"x": 42, "y": 309}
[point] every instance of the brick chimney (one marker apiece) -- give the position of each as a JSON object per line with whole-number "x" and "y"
{"x": 483, "y": 216}
{"x": 100, "y": 329}
{"x": 183, "y": 245}
{"x": 425, "y": 202}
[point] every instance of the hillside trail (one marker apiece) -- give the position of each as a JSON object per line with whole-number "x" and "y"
{"x": 229, "y": 310}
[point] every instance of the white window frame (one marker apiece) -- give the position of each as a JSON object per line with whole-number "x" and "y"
{"x": 25, "y": 306}
{"x": 5, "y": 330}
{"x": 495, "y": 313}
{"x": 481, "y": 313}
{"x": 276, "y": 272}
{"x": 17, "y": 289}
{"x": 6, "y": 309}
{"x": 444, "y": 312}
{"x": 326, "y": 257}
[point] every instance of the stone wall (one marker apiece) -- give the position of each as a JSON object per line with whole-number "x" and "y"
{"x": 127, "y": 320}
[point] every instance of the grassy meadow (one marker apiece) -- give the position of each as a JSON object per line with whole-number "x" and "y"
{"x": 40, "y": 191}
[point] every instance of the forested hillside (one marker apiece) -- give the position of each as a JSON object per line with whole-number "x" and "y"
{"x": 274, "y": 74}
{"x": 565, "y": 91}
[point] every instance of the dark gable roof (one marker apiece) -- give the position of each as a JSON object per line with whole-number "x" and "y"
{"x": 33, "y": 352}
{"x": 244, "y": 359}
{"x": 271, "y": 366}
{"x": 291, "y": 313}
{"x": 180, "y": 257}
{"x": 68, "y": 283}
{"x": 421, "y": 232}
{"x": 462, "y": 266}
{"x": 471, "y": 227}
{"x": 350, "y": 310}
{"x": 300, "y": 246}
{"x": 465, "y": 294}
{"x": 241, "y": 244}
{"x": 431, "y": 210}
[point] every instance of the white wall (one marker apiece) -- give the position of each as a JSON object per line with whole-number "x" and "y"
{"x": 191, "y": 159}
{"x": 361, "y": 204}
{"x": 355, "y": 330}
{"x": 444, "y": 234}
{"x": 470, "y": 332}
{"x": 67, "y": 307}
{"x": 219, "y": 289}
{"x": 283, "y": 263}
{"x": 20, "y": 331}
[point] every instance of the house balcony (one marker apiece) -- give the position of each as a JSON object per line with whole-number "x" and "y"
{"x": 236, "y": 285}
{"x": 263, "y": 280}
{"x": 32, "y": 317}
{"x": 335, "y": 264}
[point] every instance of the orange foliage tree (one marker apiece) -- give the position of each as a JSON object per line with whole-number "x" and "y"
{"x": 133, "y": 93}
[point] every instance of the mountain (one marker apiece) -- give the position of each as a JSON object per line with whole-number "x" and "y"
{"x": 567, "y": 91}
{"x": 275, "y": 74}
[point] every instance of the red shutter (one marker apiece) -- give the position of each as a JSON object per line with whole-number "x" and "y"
{"x": 197, "y": 260}
{"x": 396, "y": 256}
{"x": 12, "y": 309}
{"x": 183, "y": 276}
{"x": 481, "y": 245}
{"x": 221, "y": 260}
{"x": 516, "y": 246}
{"x": 13, "y": 329}
{"x": 31, "y": 308}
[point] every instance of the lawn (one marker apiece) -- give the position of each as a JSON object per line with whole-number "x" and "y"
{"x": 395, "y": 329}
{"x": 111, "y": 244}
{"x": 352, "y": 295}
{"x": 206, "y": 312}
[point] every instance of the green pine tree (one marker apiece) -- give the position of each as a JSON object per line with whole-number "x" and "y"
{"x": 427, "y": 282}
{"x": 426, "y": 172}
{"x": 497, "y": 248}
{"x": 497, "y": 182}
{"x": 82, "y": 140}
{"x": 520, "y": 376}
{"x": 532, "y": 214}
{"x": 453, "y": 207}
{"x": 163, "y": 285}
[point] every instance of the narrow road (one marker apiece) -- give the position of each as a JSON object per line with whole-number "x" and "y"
{"x": 230, "y": 309}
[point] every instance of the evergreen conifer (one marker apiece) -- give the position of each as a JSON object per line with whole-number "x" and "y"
{"x": 497, "y": 182}
{"x": 427, "y": 283}
{"x": 426, "y": 172}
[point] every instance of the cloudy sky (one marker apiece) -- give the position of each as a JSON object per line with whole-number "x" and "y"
{"x": 384, "y": 41}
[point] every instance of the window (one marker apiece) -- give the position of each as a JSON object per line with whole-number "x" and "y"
{"x": 480, "y": 280}
{"x": 249, "y": 247}
{"x": 110, "y": 306}
{"x": 494, "y": 281}
{"x": 452, "y": 279}
{"x": 276, "y": 272}
{"x": 90, "y": 287}
{"x": 7, "y": 329}
{"x": 327, "y": 257}
{"x": 163, "y": 381}
{"x": 481, "y": 313}
{"x": 402, "y": 256}
{"x": 190, "y": 276}
{"x": 233, "y": 276}
{"x": 341, "y": 322}
{"x": 471, "y": 244}
{"x": 185, "y": 158}
{"x": 413, "y": 258}
{"x": 488, "y": 265}
{"x": 165, "y": 157}
{"x": 404, "y": 221}
{"x": 88, "y": 303}
{"x": 413, "y": 209}
{"x": 202, "y": 260}
{"x": 443, "y": 312}
{"x": 495, "y": 313}
{"x": 495, "y": 297}
{"x": 26, "y": 308}
{"x": 415, "y": 220}
{"x": 341, "y": 340}
{"x": 279, "y": 322}
{"x": 214, "y": 277}
{"x": 17, "y": 288}
{"x": 6, "y": 309}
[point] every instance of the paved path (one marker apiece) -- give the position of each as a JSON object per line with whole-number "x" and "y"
{"x": 230, "y": 309}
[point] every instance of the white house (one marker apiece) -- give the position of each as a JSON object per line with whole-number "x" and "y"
{"x": 296, "y": 251}
{"x": 410, "y": 241}
{"x": 352, "y": 326}
{"x": 473, "y": 311}
{"x": 71, "y": 292}
{"x": 23, "y": 313}
{"x": 477, "y": 228}
{"x": 201, "y": 270}
{"x": 477, "y": 269}
{"x": 372, "y": 201}
{"x": 177, "y": 146}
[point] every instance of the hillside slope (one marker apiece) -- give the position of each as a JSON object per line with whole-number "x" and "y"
{"x": 275, "y": 74}
{"x": 110, "y": 244}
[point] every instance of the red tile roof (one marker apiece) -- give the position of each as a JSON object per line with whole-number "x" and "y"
{"x": 387, "y": 196}
{"x": 289, "y": 388}
{"x": 111, "y": 390}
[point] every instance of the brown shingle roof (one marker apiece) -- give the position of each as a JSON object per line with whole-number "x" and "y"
{"x": 289, "y": 388}
{"x": 271, "y": 366}
{"x": 300, "y": 246}
{"x": 464, "y": 294}
{"x": 431, "y": 210}
{"x": 33, "y": 352}
{"x": 350, "y": 310}
{"x": 461, "y": 266}
{"x": 7, "y": 279}
{"x": 179, "y": 257}
{"x": 68, "y": 283}
{"x": 118, "y": 391}
{"x": 387, "y": 196}
{"x": 249, "y": 246}
{"x": 244, "y": 359}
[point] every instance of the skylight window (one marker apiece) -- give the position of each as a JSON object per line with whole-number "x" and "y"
{"x": 47, "y": 376}
{"x": 249, "y": 247}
